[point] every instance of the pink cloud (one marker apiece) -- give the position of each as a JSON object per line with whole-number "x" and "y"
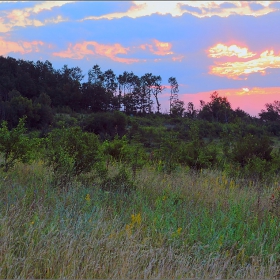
{"x": 87, "y": 49}
{"x": 158, "y": 48}
{"x": 92, "y": 48}
{"x": 22, "y": 47}
{"x": 178, "y": 58}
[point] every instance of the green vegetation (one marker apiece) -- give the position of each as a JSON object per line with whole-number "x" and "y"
{"x": 182, "y": 225}
{"x": 95, "y": 184}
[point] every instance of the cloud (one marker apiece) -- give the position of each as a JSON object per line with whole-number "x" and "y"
{"x": 234, "y": 70}
{"x": 178, "y": 58}
{"x": 196, "y": 8}
{"x": 221, "y": 50}
{"x": 92, "y": 48}
{"x": 22, "y": 47}
{"x": 158, "y": 48}
{"x": 22, "y": 17}
{"x": 227, "y": 8}
{"x": 143, "y": 8}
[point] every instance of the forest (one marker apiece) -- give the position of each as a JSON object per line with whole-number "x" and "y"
{"x": 98, "y": 182}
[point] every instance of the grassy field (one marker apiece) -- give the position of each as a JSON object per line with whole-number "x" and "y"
{"x": 183, "y": 225}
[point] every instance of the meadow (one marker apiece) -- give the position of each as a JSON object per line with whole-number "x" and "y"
{"x": 182, "y": 224}
{"x": 97, "y": 182}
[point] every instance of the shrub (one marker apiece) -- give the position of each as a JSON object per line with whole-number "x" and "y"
{"x": 71, "y": 152}
{"x": 15, "y": 145}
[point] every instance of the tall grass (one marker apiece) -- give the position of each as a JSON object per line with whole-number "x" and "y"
{"x": 183, "y": 225}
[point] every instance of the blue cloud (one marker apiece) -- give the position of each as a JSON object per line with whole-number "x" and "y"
{"x": 191, "y": 9}
{"x": 94, "y": 8}
{"x": 227, "y": 5}
{"x": 255, "y": 6}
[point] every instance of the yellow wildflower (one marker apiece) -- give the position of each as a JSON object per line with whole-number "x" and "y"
{"x": 136, "y": 219}
{"x": 179, "y": 230}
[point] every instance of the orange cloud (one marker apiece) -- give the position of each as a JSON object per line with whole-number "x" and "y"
{"x": 236, "y": 69}
{"x": 221, "y": 50}
{"x": 22, "y": 47}
{"x": 158, "y": 48}
{"x": 21, "y": 17}
{"x": 92, "y": 48}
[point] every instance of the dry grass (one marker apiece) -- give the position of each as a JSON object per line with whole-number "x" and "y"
{"x": 184, "y": 225}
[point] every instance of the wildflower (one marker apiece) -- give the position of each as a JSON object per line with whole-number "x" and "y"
{"x": 136, "y": 219}
{"x": 128, "y": 229}
{"x": 87, "y": 198}
{"x": 179, "y": 230}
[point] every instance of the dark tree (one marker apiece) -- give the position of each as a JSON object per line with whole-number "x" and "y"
{"x": 174, "y": 89}
{"x": 218, "y": 109}
{"x": 272, "y": 112}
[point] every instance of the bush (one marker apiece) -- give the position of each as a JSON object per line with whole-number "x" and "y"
{"x": 107, "y": 125}
{"x": 15, "y": 145}
{"x": 71, "y": 152}
{"x": 247, "y": 148}
{"x": 119, "y": 183}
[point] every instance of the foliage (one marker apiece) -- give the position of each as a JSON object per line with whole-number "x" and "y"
{"x": 15, "y": 145}
{"x": 107, "y": 125}
{"x": 218, "y": 109}
{"x": 272, "y": 112}
{"x": 168, "y": 153}
{"x": 118, "y": 183}
{"x": 196, "y": 153}
{"x": 192, "y": 225}
{"x": 251, "y": 155}
{"x": 71, "y": 152}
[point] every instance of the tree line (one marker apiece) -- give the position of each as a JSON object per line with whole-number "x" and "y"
{"x": 38, "y": 91}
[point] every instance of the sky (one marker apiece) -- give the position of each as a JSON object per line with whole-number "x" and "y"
{"x": 232, "y": 47}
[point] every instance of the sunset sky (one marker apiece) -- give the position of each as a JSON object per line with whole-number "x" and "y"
{"x": 232, "y": 47}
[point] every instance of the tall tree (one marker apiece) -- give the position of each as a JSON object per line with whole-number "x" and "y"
{"x": 145, "y": 92}
{"x": 174, "y": 89}
{"x": 110, "y": 84}
{"x": 95, "y": 75}
{"x": 157, "y": 88}
{"x": 129, "y": 91}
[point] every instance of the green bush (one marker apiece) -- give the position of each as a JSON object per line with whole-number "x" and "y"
{"x": 168, "y": 153}
{"x": 250, "y": 147}
{"x": 107, "y": 125}
{"x": 71, "y": 152}
{"x": 119, "y": 183}
{"x": 249, "y": 156}
{"x": 15, "y": 145}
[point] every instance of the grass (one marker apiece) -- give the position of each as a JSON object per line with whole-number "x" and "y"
{"x": 183, "y": 225}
